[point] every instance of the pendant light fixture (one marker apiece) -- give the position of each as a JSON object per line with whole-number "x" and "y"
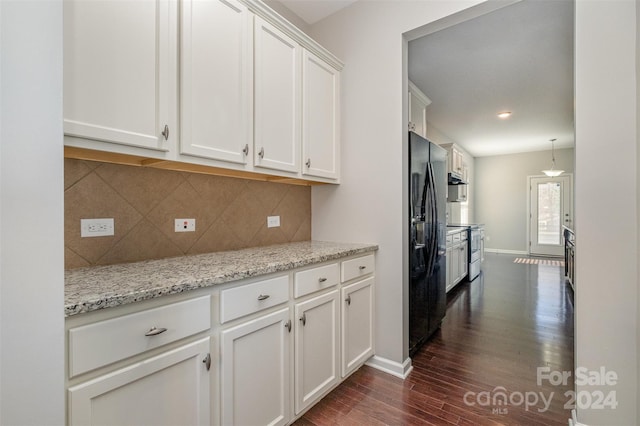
{"x": 552, "y": 172}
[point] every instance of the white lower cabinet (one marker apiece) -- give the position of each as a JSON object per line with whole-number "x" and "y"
{"x": 168, "y": 389}
{"x": 316, "y": 350}
{"x": 357, "y": 324}
{"x": 256, "y": 371}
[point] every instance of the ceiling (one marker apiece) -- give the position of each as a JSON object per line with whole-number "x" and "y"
{"x": 518, "y": 58}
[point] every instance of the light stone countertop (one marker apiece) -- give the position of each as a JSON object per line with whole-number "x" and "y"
{"x": 98, "y": 287}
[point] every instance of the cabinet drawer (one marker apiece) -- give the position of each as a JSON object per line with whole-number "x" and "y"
{"x": 244, "y": 300}
{"x": 358, "y": 267}
{"x": 449, "y": 240}
{"x": 315, "y": 279}
{"x": 102, "y": 343}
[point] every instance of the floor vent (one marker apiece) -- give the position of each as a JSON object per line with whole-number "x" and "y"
{"x": 528, "y": 261}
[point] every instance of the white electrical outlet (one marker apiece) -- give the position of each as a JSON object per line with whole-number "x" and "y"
{"x": 96, "y": 227}
{"x": 273, "y": 221}
{"x": 185, "y": 225}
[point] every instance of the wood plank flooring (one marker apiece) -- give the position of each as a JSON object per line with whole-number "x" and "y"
{"x": 498, "y": 330}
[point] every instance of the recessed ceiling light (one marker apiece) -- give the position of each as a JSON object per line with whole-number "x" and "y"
{"x": 504, "y": 114}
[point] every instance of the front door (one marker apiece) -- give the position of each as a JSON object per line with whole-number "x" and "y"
{"x": 550, "y": 208}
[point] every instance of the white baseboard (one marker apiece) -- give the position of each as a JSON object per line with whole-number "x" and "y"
{"x": 391, "y": 367}
{"x": 502, "y": 251}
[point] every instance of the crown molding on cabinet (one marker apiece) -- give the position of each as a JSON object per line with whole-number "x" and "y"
{"x": 261, "y": 9}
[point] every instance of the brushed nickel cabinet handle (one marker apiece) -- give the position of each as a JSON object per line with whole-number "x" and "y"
{"x": 362, "y": 267}
{"x": 245, "y": 150}
{"x": 303, "y": 318}
{"x": 207, "y": 361}
{"x": 263, "y": 297}
{"x": 287, "y": 325}
{"x": 153, "y": 331}
{"x": 308, "y": 163}
{"x": 322, "y": 279}
{"x": 348, "y": 300}
{"x": 261, "y": 153}
{"x": 165, "y": 132}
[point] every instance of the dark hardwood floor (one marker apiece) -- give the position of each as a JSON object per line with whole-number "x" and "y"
{"x": 481, "y": 367}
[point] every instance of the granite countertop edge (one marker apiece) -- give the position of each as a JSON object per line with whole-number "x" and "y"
{"x": 94, "y": 288}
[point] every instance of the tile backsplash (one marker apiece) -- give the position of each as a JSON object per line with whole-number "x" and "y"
{"x": 230, "y": 213}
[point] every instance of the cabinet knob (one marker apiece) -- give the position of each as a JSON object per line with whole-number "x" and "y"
{"x": 261, "y": 153}
{"x": 308, "y": 163}
{"x": 362, "y": 267}
{"x": 322, "y": 279}
{"x": 348, "y": 300}
{"x": 263, "y": 297}
{"x": 207, "y": 361}
{"x": 303, "y": 319}
{"x": 287, "y": 325}
{"x": 153, "y": 331}
{"x": 245, "y": 150}
{"x": 165, "y": 132}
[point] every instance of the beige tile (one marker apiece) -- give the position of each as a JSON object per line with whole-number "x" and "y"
{"x": 92, "y": 198}
{"x": 72, "y": 260}
{"x": 294, "y": 208}
{"x": 304, "y": 231}
{"x": 244, "y": 216}
{"x": 183, "y": 203}
{"x": 217, "y": 192}
{"x": 268, "y": 193}
{"x": 143, "y": 187}
{"x": 144, "y": 241}
{"x": 218, "y": 237}
{"x": 268, "y": 236}
{"x": 74, "y": 170}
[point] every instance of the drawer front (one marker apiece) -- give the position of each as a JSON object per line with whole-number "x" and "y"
{"x": 449, "y": 239}
{"x": 456, "y": 237}
{"x": 246, "y": 299}
{"x": 102, "y": 343}
{"x": 312, "y": 280}
{"x": 358, "y": 267}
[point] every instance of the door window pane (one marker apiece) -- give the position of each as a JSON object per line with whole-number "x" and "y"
{"x": 549, "y": 213}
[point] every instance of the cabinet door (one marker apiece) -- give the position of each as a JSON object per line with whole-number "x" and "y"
{"x": 119, "y": 71}
{"x": 320, "y": 117}
{"x": 455, "y": 263}
{"x": 450, "y": 276}
{"x": 357, "y": 324}
{"x": 215, "y": 80}
{"x": 256, "y": 371}
{"x": 464, "y": 259}
{"x": 417, "y": 115}
{"x": 169, "y": 389}
{"x": 316, "y": 351}
{"x": 277, "y": 99}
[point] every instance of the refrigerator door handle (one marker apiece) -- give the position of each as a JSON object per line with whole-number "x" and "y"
{"x": 434, "y": 221}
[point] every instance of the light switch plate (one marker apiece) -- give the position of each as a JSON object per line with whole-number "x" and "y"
{"x": 273, "y": 221}
{"x": 96, "y": 227}
{"x": 185, "y": 225}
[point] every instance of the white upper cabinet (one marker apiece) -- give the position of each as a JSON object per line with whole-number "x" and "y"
{"x": 119, "y": 71}
{"x": 320, "y": 117}
{"x": 418, "y": 103}
{"x": 277, "y": 98}
{"x": 215, "y": 80}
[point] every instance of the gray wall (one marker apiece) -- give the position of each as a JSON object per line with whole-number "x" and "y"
{"x": 501, "y": 194}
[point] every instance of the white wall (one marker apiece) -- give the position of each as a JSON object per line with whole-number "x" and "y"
{"x": 370, "y": 204}
{"x": 502, "y": 193}
{"x": 31, "y": 214}
{"x": 606, "y": 201}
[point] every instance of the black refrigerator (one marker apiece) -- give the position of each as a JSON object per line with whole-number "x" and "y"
{"x": 427, "y": 239}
